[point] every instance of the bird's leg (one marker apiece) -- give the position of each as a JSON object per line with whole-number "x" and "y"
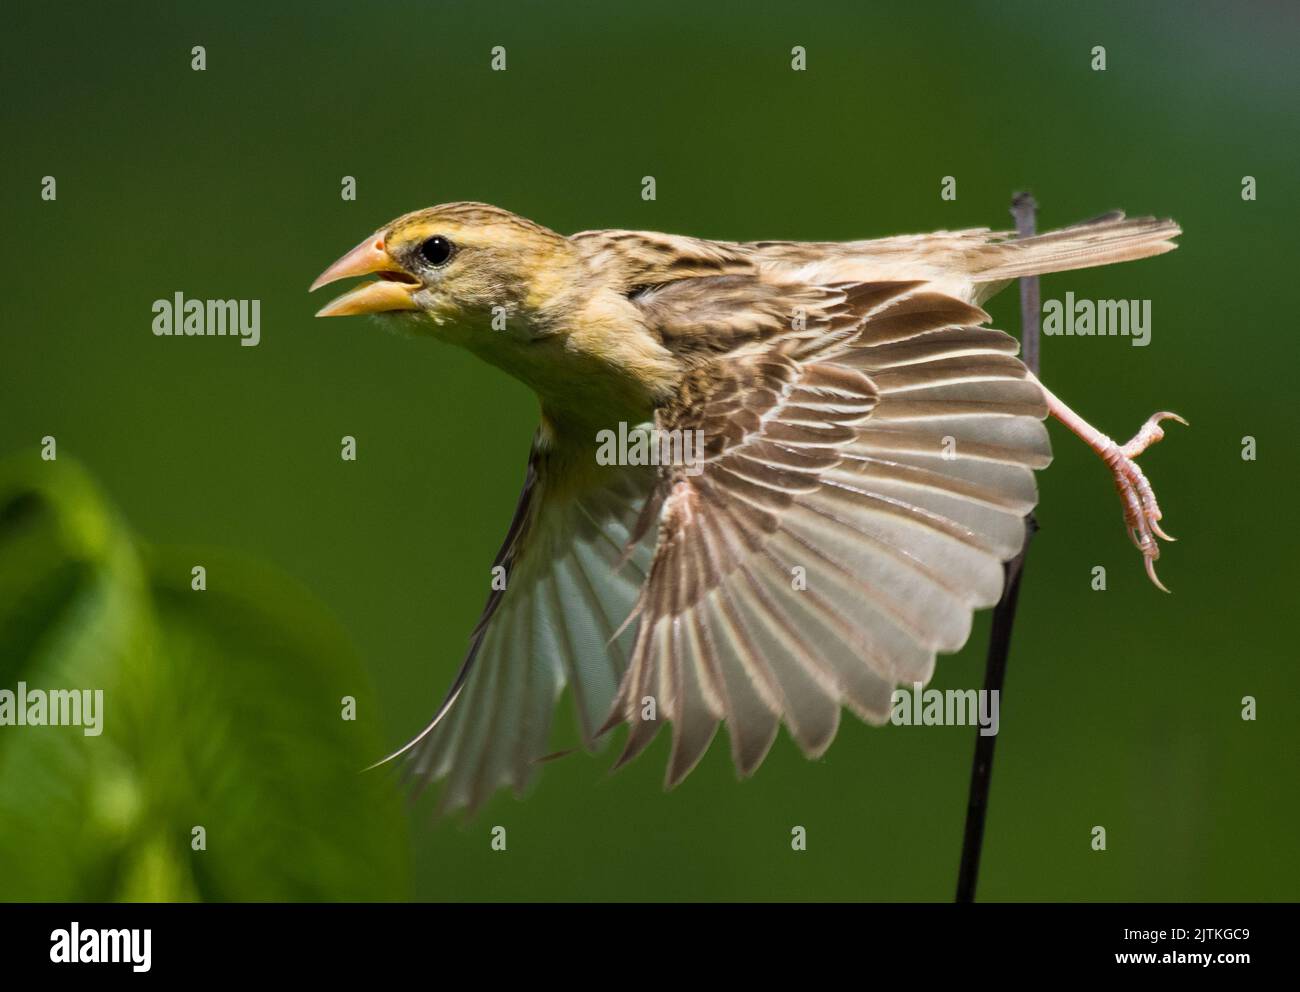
{"x": 1141, "y": 511}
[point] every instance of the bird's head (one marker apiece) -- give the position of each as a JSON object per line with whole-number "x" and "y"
{"x": 519, "y": 296}
{"x": 462, "y": 271}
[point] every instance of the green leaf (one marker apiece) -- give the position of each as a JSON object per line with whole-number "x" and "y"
{"x": 222, "y": 710}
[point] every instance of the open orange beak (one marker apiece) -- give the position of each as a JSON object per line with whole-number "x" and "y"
{"x": 392, "y": 291}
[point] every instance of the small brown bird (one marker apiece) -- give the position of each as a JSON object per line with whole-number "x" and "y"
{"x": 863, "y": 461}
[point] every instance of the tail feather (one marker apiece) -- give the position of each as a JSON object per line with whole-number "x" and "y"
{"x": 1102, "y": 241}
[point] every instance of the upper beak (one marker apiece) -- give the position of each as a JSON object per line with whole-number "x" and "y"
{"x": 369, "y": 257}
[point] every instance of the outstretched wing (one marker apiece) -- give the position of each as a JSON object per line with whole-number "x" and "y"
{"x": 864, "y": 481}
{"x": 562, "y": 585}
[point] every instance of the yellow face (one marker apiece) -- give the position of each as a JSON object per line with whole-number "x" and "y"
{"x": 519, "y": 296}
{"x": 462, "y": 264}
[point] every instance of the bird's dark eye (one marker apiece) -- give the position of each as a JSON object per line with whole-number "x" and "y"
{"x": 436, "y": 250}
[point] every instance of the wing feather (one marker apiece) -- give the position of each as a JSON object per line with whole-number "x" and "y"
{"x": 573, "y": 573}
{"x": 861, "y": 489}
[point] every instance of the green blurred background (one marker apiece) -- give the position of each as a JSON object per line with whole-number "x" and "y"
{"x": 1122, "y": 708}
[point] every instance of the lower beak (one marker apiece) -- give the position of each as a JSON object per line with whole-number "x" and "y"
{"x": 381, "y": 296}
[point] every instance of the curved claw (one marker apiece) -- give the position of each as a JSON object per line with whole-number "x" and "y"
{"x": 1151, "y": 574}
{"x": 1156, "y": 530}
{"x": 1148, "y": 434}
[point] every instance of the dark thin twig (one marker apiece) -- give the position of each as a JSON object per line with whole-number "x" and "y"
{"x": 1023, "y": 209}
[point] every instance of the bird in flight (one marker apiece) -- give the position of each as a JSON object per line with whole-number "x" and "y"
{"x": 865, "y": 463}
